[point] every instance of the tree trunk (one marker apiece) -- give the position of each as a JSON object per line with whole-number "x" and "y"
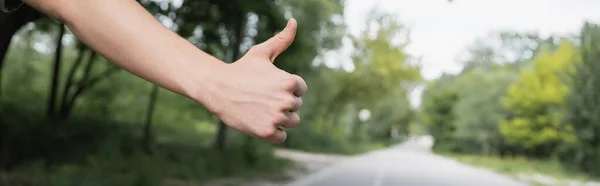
{"x": 4, "y": 146}
{"x": 147, "y": 136}
{"x": 10, "y": 24}
{"x": 69, "y": 103}
{"x": 64, "y": 105}
{"x": 221, "y": 137}
{"x": 50, "y": 111}
{"x": 86, "y": 85}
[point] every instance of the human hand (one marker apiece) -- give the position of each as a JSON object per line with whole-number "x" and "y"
{"x": 255, "y": 97}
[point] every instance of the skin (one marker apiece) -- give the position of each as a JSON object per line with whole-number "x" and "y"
{"x": 250, "y": 95}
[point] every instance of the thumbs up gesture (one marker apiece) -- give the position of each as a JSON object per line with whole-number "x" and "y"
{"x": 254, "y": 96}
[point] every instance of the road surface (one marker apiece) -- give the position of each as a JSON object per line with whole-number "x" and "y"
{"x": 409, "y": 164}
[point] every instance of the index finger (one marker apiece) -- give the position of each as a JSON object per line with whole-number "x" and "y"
{"x": 301, "y": 87}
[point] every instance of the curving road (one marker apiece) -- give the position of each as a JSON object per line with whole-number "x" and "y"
{"x": 409, "y": 164}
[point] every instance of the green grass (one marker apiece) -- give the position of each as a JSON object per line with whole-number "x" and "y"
{"x": 342, "y": 148}
{"x": 309, "y": 141}
{"x": 514, "y": 167}
{"x": 98, "y": 151}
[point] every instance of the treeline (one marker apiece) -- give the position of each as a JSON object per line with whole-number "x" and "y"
{"x": 379, "y": 81}
{"x": 70, "y": 117}
{"x": 522, "y": 95}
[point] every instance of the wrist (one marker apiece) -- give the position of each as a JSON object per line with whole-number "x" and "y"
{"x": 202, "y": 81}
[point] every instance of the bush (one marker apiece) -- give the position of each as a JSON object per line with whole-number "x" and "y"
{"x": 88, "y": 151}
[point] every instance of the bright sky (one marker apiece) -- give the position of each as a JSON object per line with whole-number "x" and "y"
{"x": 441, "y": 30}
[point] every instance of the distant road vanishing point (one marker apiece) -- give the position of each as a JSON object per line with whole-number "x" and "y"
{"x": 409, "y": 164}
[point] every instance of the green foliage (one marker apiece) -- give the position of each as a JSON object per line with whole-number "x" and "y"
{"x": 522, "y": 166}
{"x": 380, "y": 81}
{"x": 478, "y": 110}
{"x": 381, "y": 63}
{"x": 500, "y": 93}
{"x": 388, "y": 116}
{"x": 88, "y": 151}
{"x": 522, "y": 95}
{"x": 533, "y": 101}
{"x": 314, "y": 38}
{"x": 438, "y": 114}
{"x": 581, "y": 110}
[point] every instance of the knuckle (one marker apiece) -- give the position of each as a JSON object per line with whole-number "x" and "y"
{"x": 282, "y": 38}
{"x": 278, "y": 119}
{"x": 266, "y": 132}
{"x": 296, "y": 120}
{"x": 253, "y": 49}
{"x": 297, "y": 77}
{"x": 291, "y": 82}
{"x": 299, "y": 101}
{"x": 287, "y": 103}
{"x": 302, "y": 82}
{"x": 257, "y": 49}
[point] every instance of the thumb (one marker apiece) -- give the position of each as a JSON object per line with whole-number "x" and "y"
{"x": 280, "y": 42}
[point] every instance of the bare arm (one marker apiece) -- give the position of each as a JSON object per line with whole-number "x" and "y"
{"x": 250, "y": 95}
{"x": 127, "y": 35}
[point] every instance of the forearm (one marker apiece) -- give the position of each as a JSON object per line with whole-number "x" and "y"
{"x": 126, "y": 34}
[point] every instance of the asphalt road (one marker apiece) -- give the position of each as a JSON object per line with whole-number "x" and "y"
{"x": 409, "y": 164}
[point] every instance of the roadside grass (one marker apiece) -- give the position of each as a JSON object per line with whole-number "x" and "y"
{"x": 324, "y": 143}
{"x": 547, "y": 172}
{"x": 350, "y": 149}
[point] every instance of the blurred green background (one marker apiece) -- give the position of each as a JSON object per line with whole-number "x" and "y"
{"x": 69, "y": 117}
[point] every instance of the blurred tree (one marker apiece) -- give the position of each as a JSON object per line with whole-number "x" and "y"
{"x": 10, "y": 24}
{"x": 381, "y": 77}
{"x": 50, "y": 111}
{"x": 147, "y": 135}
{"x": 391, "y": 116}
{"x": 582, "y": 106}
{"x": 382, "y": 71}
{"x": 513, "y": 49}
{"x": 533, "y": 102}
{"x": 233, "y": 48}
{"x": 478, "y": 110}
{"x": 380, "y": 62}
{"x": 438, "y": 113}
